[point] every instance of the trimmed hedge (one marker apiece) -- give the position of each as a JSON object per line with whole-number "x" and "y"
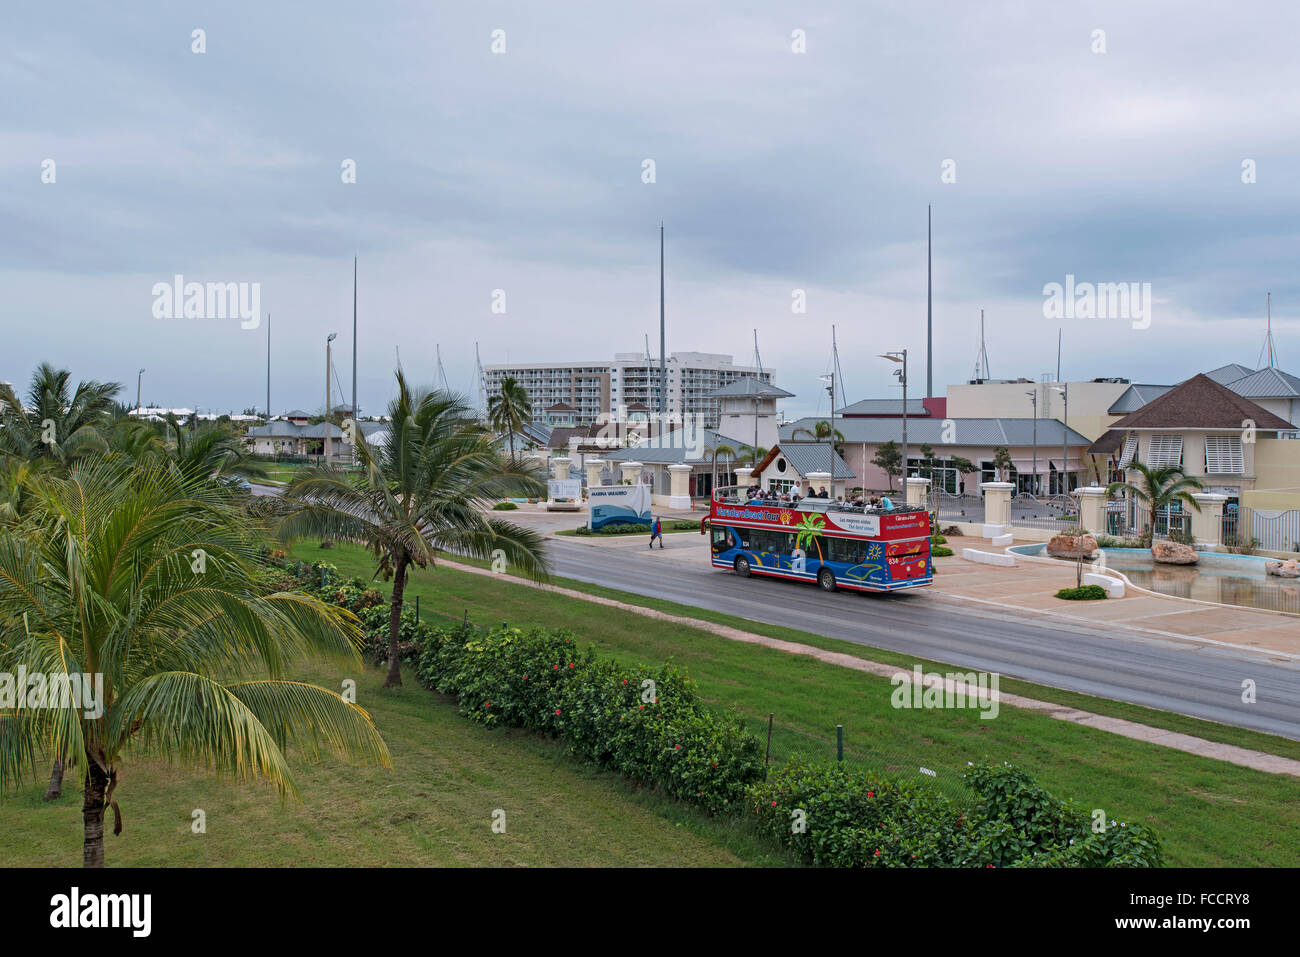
{"x": 940, "y": 551}
{"x": 858, "y": 818}
{"x": 1082, "y": 593}
{"x": 626, "y": 528}
{"x": 541, "y": 680}
{"x": 504, "y": 507}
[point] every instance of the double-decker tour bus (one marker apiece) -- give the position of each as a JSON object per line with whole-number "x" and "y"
{"x": 835, "y": 544}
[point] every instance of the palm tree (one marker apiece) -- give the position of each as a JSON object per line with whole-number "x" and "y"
{"x": 55, "y": 422}
{"x": 149, "y": 582}
{"x": 720, "y": 449}
{"x": 824, "y": 432}
{"x": 1157, "y": 488}
{"x": 510, "y": 409}
{"x": 422, "y": 491}
{"x": 749, "y": 455}
{"x": 213, "y": 451}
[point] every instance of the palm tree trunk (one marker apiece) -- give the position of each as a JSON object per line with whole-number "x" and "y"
{"x": 92, "y": 815}
{"x": 55, "y": 790}
{"x": 394, "y": 679}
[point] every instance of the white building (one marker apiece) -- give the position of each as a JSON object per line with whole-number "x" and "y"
{"x": 594, "y": 389}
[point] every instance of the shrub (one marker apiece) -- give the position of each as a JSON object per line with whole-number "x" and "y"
{"x": 937, "y": 539}
{"x": 504, "y": 507}
{"x": 1082, "y": 593}
{"x": 864, "y": 819}
{"x": 940, "y": 551}
{"x": 541, "y": 680}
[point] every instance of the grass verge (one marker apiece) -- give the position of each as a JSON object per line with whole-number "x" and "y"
{"x": 1208, "y": 813}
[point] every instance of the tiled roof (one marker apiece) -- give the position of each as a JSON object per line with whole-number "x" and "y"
{"x": 1200, "y": 403}
{"x": 1107, "y": 443}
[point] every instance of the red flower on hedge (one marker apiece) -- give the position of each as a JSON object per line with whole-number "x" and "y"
{"x": 877, "y": 852}
{"x": 677, "y": 747}
{"x": 557, "y": 710}
{"x": 871, "y": 794}
{"x": 555, "y": 667}
{"x": 571, "y": 664}
{"x": 773, "y": 804}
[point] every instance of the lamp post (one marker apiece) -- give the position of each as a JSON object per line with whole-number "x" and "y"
{"x": 830, "y": 450}
{"x": 901, "y": 357}
{"x": 330, "y": 339}
{"x": 1033, "y": 481}
{"x": 1064, "y": 390}
{"x": 139, "y": 376}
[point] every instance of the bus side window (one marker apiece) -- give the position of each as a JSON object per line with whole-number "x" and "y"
{"x": 721, "y": 539}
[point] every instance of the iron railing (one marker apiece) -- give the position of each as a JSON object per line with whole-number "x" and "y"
{"x": 1057, "y": 512}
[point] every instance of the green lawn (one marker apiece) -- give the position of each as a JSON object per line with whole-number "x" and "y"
{"x": 1207, "y": 812}
{"x": 434, "y": 809}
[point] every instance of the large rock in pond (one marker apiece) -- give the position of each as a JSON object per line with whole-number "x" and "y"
{"x": 1287, "y": 569}
{"x": 1072, "y": 546}
{"x": 1172, "y": 553}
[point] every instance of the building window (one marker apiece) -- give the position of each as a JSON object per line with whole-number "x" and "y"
{"x": 1223, "y": 455}
{"x": 1165, "y": 451}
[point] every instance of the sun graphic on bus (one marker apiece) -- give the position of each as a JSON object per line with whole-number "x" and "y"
{"x": 787, "y": 516}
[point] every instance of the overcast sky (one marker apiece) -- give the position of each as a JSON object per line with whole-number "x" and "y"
{"x": 522, "y": 171}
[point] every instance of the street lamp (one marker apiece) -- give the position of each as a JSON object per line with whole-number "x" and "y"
{"x": 901, "y": 357}
{"x": 830, "y": 456}
{"x": 138, "y": 377}
{"x": 1033, "y": 481}
{"x": 331, "y": 338}
{"x": 1064, "y": 390}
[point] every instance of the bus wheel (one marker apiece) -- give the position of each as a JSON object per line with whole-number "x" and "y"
{"x": 742, "y": 566}
{"x": 826, "y": 578}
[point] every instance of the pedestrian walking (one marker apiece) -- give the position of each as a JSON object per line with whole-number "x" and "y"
{"x": 656, "y": 531}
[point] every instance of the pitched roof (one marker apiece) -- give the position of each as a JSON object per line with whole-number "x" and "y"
{"x": 1229, "y": 373}
{"x": 806, "y": 457}
{"x": 885, "y": 407}
{"x": 750, "y": 386}
{"x": 560, "y": 407}
{"x": 1268, "y": 383}
{"x": 992, "y": 432}
{"x": 1108, "y": 442}
{"x": 671, "y": 448}
{"x": 1200, "y": 403}
{"x": 1136, "y": 396}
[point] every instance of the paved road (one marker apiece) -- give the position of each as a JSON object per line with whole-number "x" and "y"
{"x": 1172, "y": 675}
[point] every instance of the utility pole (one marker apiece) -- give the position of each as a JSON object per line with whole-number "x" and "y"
{"x": 929, "y": 315}
{"x": 1064, "y": 389}
{"x": 268, "y": 367}
{"x": 328, "y": 341}
{"x": 663, "y": 380}
{"x": 1033, "y": 481}
{"x": 139, "y": 376}
{"x": 901, "y": 357}
{"x": 354, "y": 339}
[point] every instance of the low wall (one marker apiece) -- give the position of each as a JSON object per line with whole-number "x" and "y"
{"x": 976, "y": 530}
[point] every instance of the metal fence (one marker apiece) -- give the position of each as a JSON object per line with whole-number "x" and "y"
{"x": 1268, "y": 529}
{"x": 1057, "y": 512}
{"x": 957, "y": 508}
{"x": 1127, "y": 517}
